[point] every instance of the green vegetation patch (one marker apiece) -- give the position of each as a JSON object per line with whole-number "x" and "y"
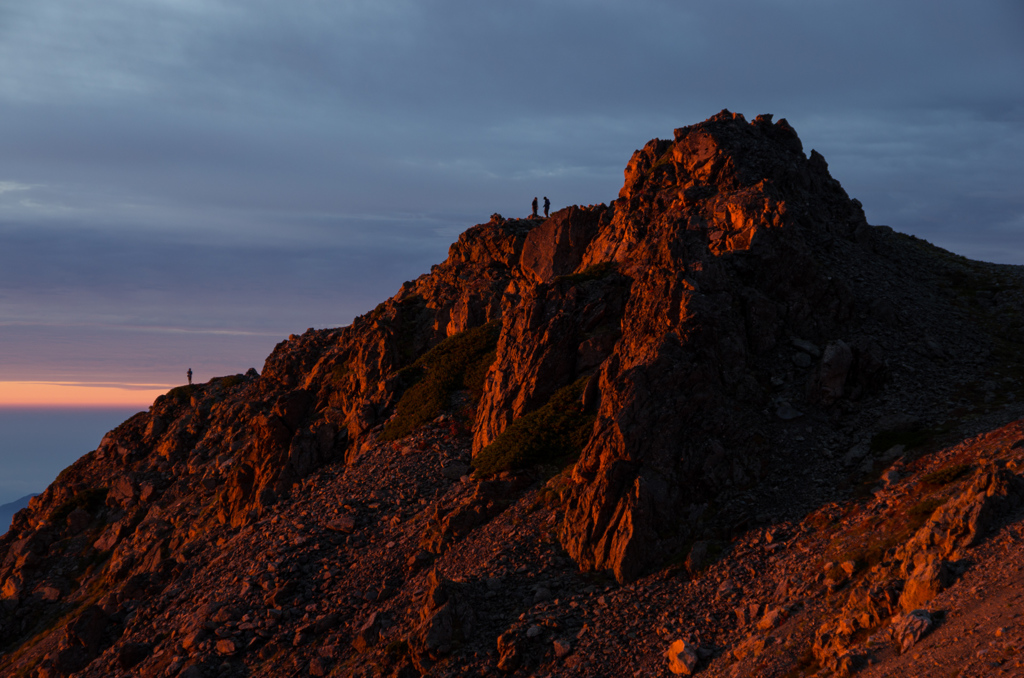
{"x": 459, "y": 362}
{"x": 868, "y": 543}
{"x": 90, "y": 500}
{"x": 868, "y": 555}
{"x": 409, "y": 312}
{"x": 552, "y": 433}
{"x": 921, "y": 511}
{"x": 553, "y": 494}
{"x": 594, "y": 272}
{"x": 665, "y": 160}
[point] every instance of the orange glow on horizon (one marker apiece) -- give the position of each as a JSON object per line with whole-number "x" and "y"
{"x": 78, "y": 394}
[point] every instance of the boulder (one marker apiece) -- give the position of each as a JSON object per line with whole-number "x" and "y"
{"x": 830, "y": 380}
{"x": 344, "y": 523}
{"x": 682, "y": 658}
{"x": 12, "y": 588}
{"x": 909, "y": 628}
{"x": 226, "y": 646}
{"x": 509, "y": 656}
{"x": 871, "y": 603}
{"x": 123, "y": 492}
{"x": 445, "y": 614}
{"x": 927, "y": 580}
{"x": 368, "y": 634}
{"x": 772, "y": 619}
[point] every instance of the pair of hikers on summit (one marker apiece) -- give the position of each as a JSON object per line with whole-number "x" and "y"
{"x": 547, "y": 206}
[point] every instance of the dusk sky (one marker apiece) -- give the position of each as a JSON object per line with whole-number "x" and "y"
{"x": 183, "y": 183}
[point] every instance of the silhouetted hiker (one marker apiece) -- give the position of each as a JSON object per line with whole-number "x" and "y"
{"x": 190, "y": 376}
{"x": 535, "y": 207}
{"x": 547, "y": 206}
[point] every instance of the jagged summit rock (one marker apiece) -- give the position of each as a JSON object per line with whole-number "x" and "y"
{"x": 692, "y": 388}
{"x": 725, "y": 233}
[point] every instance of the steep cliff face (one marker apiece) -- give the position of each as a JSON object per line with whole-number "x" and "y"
{"x": 726, "y": 234}
{"x": 716, "y": 251}
{"x": 639, "y": 380}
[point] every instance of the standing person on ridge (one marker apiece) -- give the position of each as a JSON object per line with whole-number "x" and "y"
{"x": 189, "y": 376}
{"x": 547, "y": 206}
{"x": 535, "y": 206}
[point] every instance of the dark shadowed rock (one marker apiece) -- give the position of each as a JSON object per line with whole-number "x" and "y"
{"x": 131, "y": 654}
{"x": 445, "y": 615}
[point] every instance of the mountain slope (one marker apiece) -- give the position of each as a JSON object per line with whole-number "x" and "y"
{"x": 8, "y": 510}
{"x": 722, "y": 410}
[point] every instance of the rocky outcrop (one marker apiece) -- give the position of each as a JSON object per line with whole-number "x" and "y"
{"x": 720, "y": 238}
{"x": 963, "y": 520}
{"x": 488, "y": 500}
{"x": 672, "y": 301}
{"x": 910, "y": 628}
{"x": 685, "y": 383}
{"x": 928, "y": 560}
{"x": 551, "y": 335}
{"x": 446, "y": 619}
{"x": 682, "y": 658}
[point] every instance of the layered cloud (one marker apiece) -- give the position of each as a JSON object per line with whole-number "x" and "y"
{"x": 263, "y": 167}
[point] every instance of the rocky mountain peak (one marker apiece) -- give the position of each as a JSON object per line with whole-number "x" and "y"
{"x": 697, "y": 381}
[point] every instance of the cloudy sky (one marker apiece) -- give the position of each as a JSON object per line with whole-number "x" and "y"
{"x": 183, "y": 183}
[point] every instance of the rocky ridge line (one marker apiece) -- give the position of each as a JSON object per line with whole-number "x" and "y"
{"x": 745, "y": 347}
